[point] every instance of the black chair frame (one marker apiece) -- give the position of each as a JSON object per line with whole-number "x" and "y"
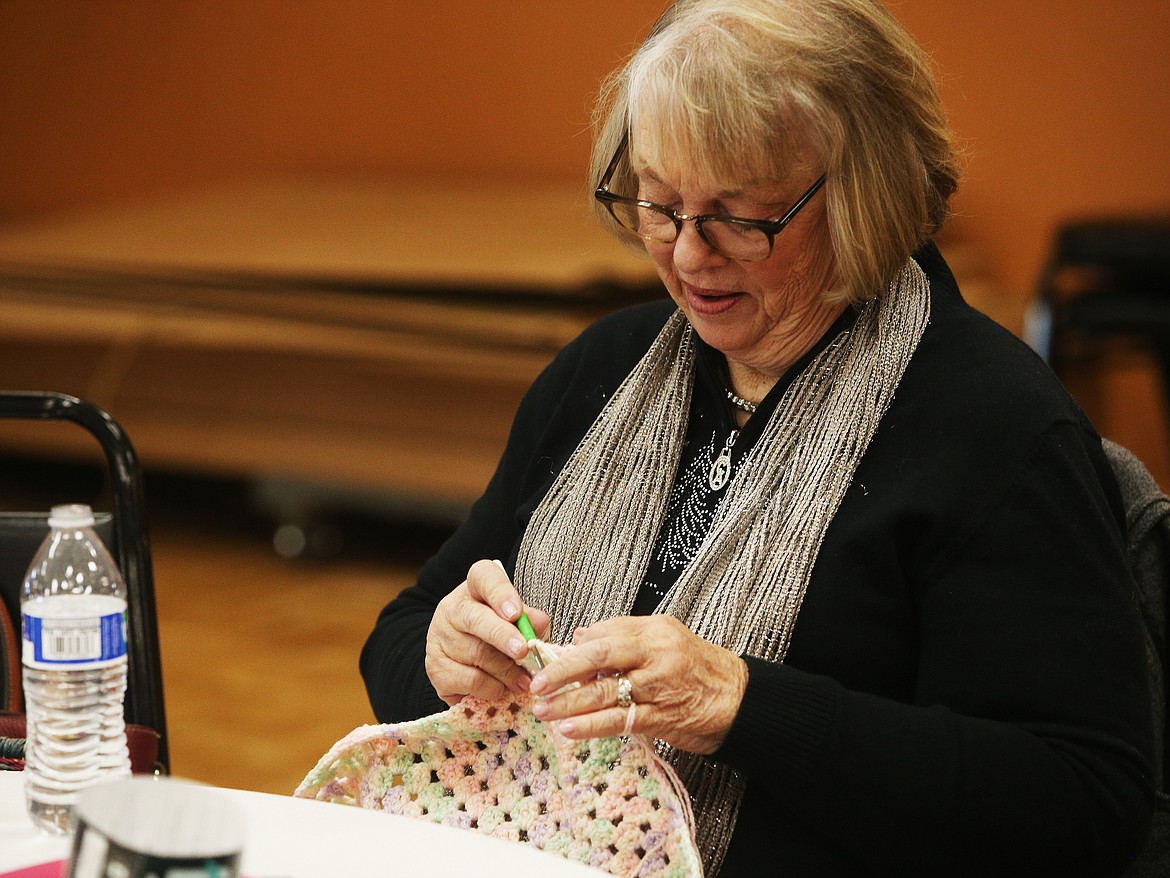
{"x": 1109, "y": 278}
{"x": 131, "y": 546}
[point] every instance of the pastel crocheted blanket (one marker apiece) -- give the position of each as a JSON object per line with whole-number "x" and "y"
{"x": 492, "y": 767}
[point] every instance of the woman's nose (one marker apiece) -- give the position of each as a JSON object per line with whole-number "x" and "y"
{"x": 692, "y": 252}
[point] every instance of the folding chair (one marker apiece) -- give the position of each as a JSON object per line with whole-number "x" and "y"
{"x": 1107, "y": 280}
{"x": 124, "y": 532}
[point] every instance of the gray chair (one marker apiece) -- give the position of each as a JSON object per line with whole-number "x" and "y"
{"x": 1148, "y": 542}
{"x": 123, "y": 529}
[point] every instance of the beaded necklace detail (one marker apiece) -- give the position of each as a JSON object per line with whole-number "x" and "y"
{"x": 740, "y": 403}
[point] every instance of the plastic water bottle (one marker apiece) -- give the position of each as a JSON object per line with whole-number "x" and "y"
{"x": 73, "y": 622}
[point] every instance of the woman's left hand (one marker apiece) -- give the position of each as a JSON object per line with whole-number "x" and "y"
{"x": 686, "y": 690}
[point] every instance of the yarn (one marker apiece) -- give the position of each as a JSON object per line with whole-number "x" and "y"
{"x": 492, "y": 767}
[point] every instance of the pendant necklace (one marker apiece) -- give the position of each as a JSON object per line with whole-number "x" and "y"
{"x": 720, "y": 473}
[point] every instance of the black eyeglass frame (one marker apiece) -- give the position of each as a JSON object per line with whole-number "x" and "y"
{"x": 771, "y": 228}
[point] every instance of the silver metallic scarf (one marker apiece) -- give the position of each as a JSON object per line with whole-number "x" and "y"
{"x": 586, "y": 549}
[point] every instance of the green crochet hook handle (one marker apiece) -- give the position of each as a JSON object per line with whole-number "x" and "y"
{"x": 522, "y": 623}
{"x": 525, "y": 627}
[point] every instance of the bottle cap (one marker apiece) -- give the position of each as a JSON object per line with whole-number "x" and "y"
{"x": 71, "y": 515}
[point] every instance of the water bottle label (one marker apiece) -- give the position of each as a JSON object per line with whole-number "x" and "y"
{"x": 75, "y": 643}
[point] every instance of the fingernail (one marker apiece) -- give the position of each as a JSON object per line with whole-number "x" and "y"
{"x": 516, "y": 647}
{"x": 577, "y": 632}
{"x": 566, "y": 727}
{"x": 523, "y": 683}
{"x": 538, "y": 684}
{"x": 509, "y": 609}
{"x": 540, "y": 709}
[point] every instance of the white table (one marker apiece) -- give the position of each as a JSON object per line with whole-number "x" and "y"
{"x": 297, "y": 838}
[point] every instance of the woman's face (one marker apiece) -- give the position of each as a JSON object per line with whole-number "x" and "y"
{"x": 751, "y": 311}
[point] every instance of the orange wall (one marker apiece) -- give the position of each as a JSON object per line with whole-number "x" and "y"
{"x": 1064, "y": 104}
{"x": 1065, "y": 109}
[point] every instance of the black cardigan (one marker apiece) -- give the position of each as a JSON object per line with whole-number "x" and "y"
{"x": 965, "y": 690}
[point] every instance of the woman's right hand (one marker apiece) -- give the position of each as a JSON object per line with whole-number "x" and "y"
{"x": 473, "y": 643}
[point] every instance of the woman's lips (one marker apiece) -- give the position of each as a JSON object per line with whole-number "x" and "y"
{"x": 710, "y": 302}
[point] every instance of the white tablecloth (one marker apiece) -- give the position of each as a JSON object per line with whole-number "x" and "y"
{"x": 297, "y": 838}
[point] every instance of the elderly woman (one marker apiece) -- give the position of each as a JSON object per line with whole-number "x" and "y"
{"x": 843, "y": 544}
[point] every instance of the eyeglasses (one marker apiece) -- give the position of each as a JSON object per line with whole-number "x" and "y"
{"x": 744, "y": 240}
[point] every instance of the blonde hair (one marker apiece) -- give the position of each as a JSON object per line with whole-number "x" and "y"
{"x": 735, "y": 86}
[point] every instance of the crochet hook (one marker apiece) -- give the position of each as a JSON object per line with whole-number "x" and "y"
{"x": 525, "y": 626}
{"x": 529, "y": 635}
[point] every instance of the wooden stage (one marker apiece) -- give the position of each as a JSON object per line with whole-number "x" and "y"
{"x": 355, "y": 342}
